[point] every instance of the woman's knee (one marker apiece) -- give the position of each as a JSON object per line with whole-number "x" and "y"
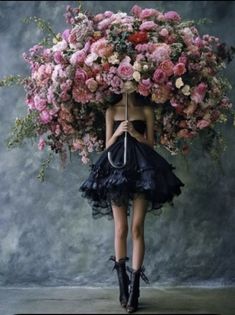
{"x": 137, "y": 232}
{"x": 121, "y": 230}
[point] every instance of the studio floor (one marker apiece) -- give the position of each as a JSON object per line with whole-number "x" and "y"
{"x": 86, "y": 300}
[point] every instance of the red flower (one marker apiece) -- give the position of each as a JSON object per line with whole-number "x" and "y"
{"x": 138, "y": 37}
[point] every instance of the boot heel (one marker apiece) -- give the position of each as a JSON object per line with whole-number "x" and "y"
{"x": 132, "y": 304}
{"x": 123, "y": 279}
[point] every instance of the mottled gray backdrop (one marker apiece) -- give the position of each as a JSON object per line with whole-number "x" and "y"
{"x": 47, "y": 234}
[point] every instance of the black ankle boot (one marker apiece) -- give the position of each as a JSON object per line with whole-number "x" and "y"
{"x": 134, "y": 293}
{"x": 123, "y": 279}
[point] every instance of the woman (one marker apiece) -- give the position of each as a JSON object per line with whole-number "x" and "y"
{"x": 145, "y": 184}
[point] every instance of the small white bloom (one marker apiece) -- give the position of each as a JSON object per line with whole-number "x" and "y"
{"x": 186, "y": 90}
{"x": 90, "y": 59}
{"x": 179, "y": 82}
{"x": 137, "y": 66}
{"x": 113, "y": 59}
{"x": 145, "y": 67}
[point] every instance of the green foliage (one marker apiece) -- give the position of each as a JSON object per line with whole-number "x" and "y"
{"x": 44, "y": 165}
{"x": 13, "y": 80}
{"x": 45, "y": 27}
{"x": 25, "y": 127}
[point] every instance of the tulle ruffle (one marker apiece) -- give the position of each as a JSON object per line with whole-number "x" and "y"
{"x": 147, "y": 175}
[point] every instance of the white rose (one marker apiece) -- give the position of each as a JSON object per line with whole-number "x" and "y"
{"x": 136, "y": 76}
{"x": 137, "y": 66}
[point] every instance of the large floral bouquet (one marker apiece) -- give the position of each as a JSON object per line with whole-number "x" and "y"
{"x": 161, "y": 57}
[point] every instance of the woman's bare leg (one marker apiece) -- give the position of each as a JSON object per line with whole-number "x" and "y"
{"x": 137, "y": 231}
{"x": 121, "y": 231}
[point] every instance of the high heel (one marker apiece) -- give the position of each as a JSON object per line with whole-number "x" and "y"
{"x": 134, "y": 293}
{"x": 123, "y": 279}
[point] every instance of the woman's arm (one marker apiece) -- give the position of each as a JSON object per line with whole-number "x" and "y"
{"x": 110, "y": 138}
{"x": 149, "y": 114}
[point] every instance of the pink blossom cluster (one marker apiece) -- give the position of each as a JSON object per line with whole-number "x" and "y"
{"x": 159, "y": 57}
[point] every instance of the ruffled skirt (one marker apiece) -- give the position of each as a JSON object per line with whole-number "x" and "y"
{"x": 147, "y": 175}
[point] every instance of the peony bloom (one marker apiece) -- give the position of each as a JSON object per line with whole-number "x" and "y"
{"x": 160, "y": 53}
{"x": 101, "y": 48}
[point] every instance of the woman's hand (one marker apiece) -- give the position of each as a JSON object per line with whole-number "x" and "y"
{"x": 123, "y": 126}
{"x": 131, "y": 129}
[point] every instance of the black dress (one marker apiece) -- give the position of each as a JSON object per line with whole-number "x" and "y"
{"x": 146, "y": 173}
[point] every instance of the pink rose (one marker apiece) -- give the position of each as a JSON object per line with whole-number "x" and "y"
{"x": 39, "y": 103}
{"x": 80, "y": 75}
{"x": 78, "y": 57}
{"x": 172, "y": 16}
{"x": 144, "y": 87}
{"x": 199, "y": 93}
{"x": 146, "y": 13}
{"x": 179, "y": 69}
{"x": 92, "y": 84}
{"x": 58, "y": 57}
{"x": 136, "y": 10}
{"x": 148, "y": 26}
{"x": 202, "y": 123}
{"x": 183, "y": 59}
{"x": 108, "y": 13}
{"x": 125, "y": 70}
{"x": 164, "y": 32}
{"x": 159, "y": 76}
{"x": 167, "y": 66}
